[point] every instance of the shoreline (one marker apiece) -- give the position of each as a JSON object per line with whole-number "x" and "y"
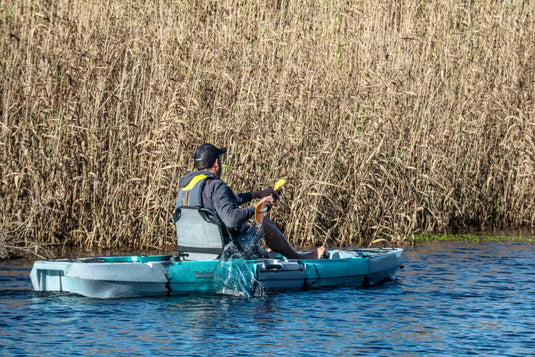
{"x": 471, "y": 237}
{"x": 77, "y": 252}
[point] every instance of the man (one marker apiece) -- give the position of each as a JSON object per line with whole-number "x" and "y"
{"x": 217, "y": 197}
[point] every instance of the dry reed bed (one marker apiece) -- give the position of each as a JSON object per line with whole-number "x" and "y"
{"x": 391, "y": 118}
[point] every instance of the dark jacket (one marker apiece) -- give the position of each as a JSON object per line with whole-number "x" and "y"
{"x": 218, "y": 197}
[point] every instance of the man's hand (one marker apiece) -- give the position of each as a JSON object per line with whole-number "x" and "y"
{"x": 268, "y": 192}
{"x": 270, "y": 201}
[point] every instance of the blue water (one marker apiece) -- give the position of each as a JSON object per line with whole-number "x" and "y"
{"x": 450, "y": 299}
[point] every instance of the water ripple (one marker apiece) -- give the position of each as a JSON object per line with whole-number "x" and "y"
{"x": 451, "y": 299}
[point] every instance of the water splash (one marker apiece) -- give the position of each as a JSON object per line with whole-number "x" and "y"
{"x": 250, "y": 242}
{"x": 233, "y": 276}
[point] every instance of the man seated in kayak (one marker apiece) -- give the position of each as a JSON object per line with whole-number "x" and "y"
{"x": 217, "y": 197}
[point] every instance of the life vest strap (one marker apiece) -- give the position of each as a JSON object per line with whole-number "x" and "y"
{"x": 193, "y": 182}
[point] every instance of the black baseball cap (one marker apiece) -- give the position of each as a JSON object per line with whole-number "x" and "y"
{"x": 206, "y": 155}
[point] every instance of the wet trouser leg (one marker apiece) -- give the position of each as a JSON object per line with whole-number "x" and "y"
{"x": 277, "y": 241}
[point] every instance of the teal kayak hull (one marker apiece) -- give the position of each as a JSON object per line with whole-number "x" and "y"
{"x": 160, "y": 275}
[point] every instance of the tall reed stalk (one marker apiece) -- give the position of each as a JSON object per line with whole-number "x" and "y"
{"x": 390, "y": 118}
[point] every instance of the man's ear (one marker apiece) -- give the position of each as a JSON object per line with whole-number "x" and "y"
{"x": 217, "y": 164}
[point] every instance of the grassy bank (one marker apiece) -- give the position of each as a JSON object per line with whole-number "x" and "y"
{"x": 390, "y": 119}
{"x": 468, "y": 237}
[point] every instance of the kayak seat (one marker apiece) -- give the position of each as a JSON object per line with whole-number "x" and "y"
{"x": 198, "y": 236}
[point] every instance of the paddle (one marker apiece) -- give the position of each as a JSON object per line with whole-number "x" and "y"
{"x": 279, "y": 184}
{"x": 262, "y": 207}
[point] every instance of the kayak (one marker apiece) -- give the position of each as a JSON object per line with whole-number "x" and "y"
{"x": 161, "y": 275}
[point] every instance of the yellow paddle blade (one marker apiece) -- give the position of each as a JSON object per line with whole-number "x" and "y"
{"x": 279, "y": 184}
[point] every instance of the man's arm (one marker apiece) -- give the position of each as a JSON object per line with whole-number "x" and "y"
{"x": 226, "y": 205}
{"x": 249, "y": 196}
{"x": 242, "y": 198}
